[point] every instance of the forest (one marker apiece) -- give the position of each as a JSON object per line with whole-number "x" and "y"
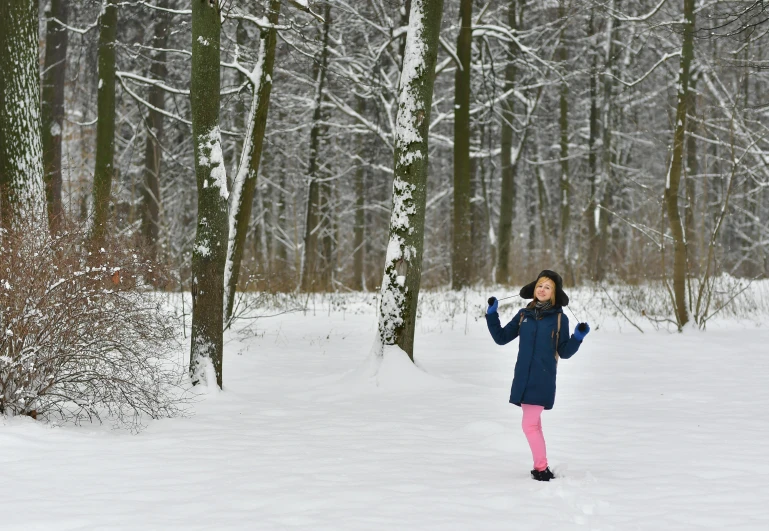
{"x": 223, "y": 147}
{"x": 261, "y": 264}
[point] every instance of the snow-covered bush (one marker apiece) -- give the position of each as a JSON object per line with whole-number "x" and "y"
{"x": 81, "y": 338}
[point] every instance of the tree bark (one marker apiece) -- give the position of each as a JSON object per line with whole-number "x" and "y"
{"x": 461, "y": 264}
{"x": 326, "y": 230}
{"x": 153, "y": 154}
{"x": 592, "y": 213}
{"x": 359, "y": 231}
{"x": 509, "y": 167}
{"x": 674, "y": 172}
{"x": 692, "y": 169}
{"x": 22, "y": 196}
{"x": 310, "y": 266}
{"x": 105, "y": 125}
{"x": 403, "y": 264}
{"x": 210, "y": 249}
{"x": 563, "y": 123}
{"x": 244, "y": 183}
{"x": 606, "y": 179}
{"x": 54, "y": 79}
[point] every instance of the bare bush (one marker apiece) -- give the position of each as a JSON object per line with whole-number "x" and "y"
{"x": 81, "y": 338}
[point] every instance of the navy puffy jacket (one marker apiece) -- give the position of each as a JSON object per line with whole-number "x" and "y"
{"x": 536, "y": 367}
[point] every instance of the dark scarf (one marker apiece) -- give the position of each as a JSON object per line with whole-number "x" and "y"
{"x": 540, "y": 307}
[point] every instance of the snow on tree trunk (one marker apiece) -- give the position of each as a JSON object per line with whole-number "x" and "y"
{"x": 210, "y": 249}
{"x": 53, "y": 107}
{"x": 403, "y": 263}
{"x": 22, "y": 198}
{"x": 105, "y": 124}
{"x": 244, "y": 183}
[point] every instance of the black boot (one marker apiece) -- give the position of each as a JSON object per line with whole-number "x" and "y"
{"x": 542, "y": 475}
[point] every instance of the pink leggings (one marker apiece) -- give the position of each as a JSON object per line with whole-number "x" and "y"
{"x": 532, "y": 428}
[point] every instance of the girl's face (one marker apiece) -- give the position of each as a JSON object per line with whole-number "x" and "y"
{"x": 545, "y": 290}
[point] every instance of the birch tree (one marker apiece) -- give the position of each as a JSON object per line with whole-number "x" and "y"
{"x": 403, "y": 263}
{"x": 22, "y": 198}
{"x": 210, "y": 249}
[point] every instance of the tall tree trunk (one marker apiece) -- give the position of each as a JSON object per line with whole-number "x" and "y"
{"x": 326, "y": 231}
{"x": 674, "y": 173}
{"x": 543, "y": 203}
{"x": 150, "y": 211}
{"x": 313, "y": 219}
{"x": 563, "y": 123}
{"x": 210, "y": 249}
{"x": 22, "y": 196}
{"x": 244, "y": 183}
{"x": 359, "y": 231}
{"x": 507, "y": 193}
{"x": 105, "y": 125}
{"x": 592, "y": 213}
{"x": 281, "y": 250}
{"x": 53, "y": 107}
{"x": 461, "y": 264}
{"x": 600, "y": 244}
{"x": 403, "y": 264}
{"x": 692, "y": 169}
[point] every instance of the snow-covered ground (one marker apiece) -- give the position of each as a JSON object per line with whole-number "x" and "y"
{"x": 653, "y": 431}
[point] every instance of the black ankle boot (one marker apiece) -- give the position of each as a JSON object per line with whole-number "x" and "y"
{"x": 542, "y": 475}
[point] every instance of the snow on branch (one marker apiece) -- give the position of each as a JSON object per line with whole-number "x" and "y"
{"x": 302, "y": 5}
{"x": 342, "y": 106}
{"x": 641, "y": 18}
{"x": 148, "y": 81}
{"x": 157, "y": 8}
{"x": 506, "y": 35}
{"x": 261, "y": 23}
{"x": 652, "y": 69}
{"x": 449, "y": 50}
{"x": 74, "y": 29}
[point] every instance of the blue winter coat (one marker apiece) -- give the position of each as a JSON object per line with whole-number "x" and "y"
{"x": 536, "y": 367}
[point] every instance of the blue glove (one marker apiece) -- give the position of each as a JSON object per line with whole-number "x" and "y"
{"x": 581, "y": 331}
{"x": 493, "y": 305}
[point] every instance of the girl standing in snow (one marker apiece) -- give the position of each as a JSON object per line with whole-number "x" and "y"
{"x": 544, "y": 333}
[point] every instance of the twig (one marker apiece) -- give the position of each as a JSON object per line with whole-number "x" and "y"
{"x": 620, "y": 310}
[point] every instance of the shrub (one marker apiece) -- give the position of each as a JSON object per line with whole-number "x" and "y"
{"x": 81, "y": 335}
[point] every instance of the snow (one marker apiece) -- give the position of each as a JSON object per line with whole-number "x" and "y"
{"x": 244, "y": 171}
{"x": 649, "y": 431}
{"x": 409, "y": 103}
{"x": 210, "y": 150}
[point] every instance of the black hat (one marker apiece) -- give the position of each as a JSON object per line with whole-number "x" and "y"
{"x": 561, "y": 299}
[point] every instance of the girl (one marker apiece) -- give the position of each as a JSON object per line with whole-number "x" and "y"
{"x": 544, "y": 333}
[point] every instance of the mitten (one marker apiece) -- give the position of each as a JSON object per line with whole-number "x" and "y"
{"x": 493, "y": 305}
{"x": 581, "y": 331}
